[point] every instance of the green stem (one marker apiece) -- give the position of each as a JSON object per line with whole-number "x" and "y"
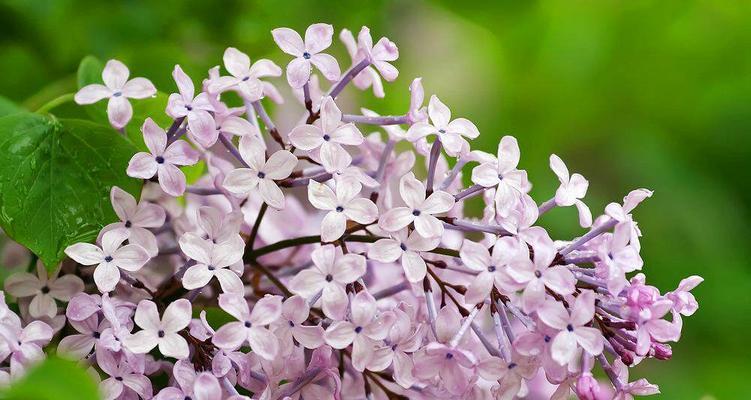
{"x": 55, "y": 102}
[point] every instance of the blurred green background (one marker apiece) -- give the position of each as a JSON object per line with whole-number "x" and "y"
{"x": 653, "y": 94}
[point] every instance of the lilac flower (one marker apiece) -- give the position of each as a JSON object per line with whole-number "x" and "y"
{"x": 368, "y": 77}
{"x": 118, "y": 89}
{"x": 295, "y": 311}
{"x": 363, "y": 331}
{"x": 379, "y": 56}
{"x": 493, "y": 269}
{"x": 618, "y": 256}
{"x": 537, "y": 275}
{"x": 621, "y": 213}
{"x": 219, "y": 226}
{"x": 403, "y": 340}
{"x": 573, "y": 327}
{"x": 163, "y": 332}
{"x": 640, "y": 387}
{"x": 79, "y": 345}
{"x": 195, "y": 109}
{"x": 136, "y": 218}
{"x": 683, "y": 300}
{"x": 419, "y": 210}
{"x": 205, "y": 386}
{"x": 317, "y": 38}
{"x": 450, "y": 132}
{"x": 123, "y": 377}
{"x": 328, "y": 138}
{"x": 110, "y": 258}
{"x": 162, "y": 159}
{"x": 261, "y": 173}
{"x": 23, "y": 344}
{"x": 330, "y": 272}
{"x": 212, "y": 261}
{"x": 44, "y": 289}
{"x": 572, "y": 189}
{"x": 502, "y": 175}
{"x": 341, "y": 205}
{"x": 250, "y": 325}
{"x": 245, "y": 77}
{"x": 408, "y": 248}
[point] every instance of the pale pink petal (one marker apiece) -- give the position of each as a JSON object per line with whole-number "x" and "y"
{"x": 428, "y": 226}
{"x": 171, "y": 180}
{"x": 144, "y": 238}
{"x": 361, "y": 210}
{"x": 334, "y": 157}
{"x": 340, "y": 334}
{"x": 414, "y": 266}
{"x": 307, "y": 283}
{"x": 196, "y": 247}
{"x": 349, "y": 267}
{"x": 141, "y": 342}
{"x": 321, "y": 196}
{"x": 65, "y": 287}
{"x": 327, "y": 65}
{"x": 419, "y": 130}
{"x": 306, "y": 137}
{"x": 263, "y": 68}
{"x": 230, "y": 336}
{"x": 474, "y": 255}
{"x": 203, "y": 127}
{"x": 229, "y": 281}
{"x": 173, "y": 345}
{"x": 559, "y": 168}
{"x": 438, "y": 202}
{"x": 388, "y": 71}
{"x": 123, "y": 203}
{"x": 590, "y": 339}
{"x": 236, "y": 62}
{"x": 142, "y": 165}
{"x": 235, "y": 305}
{"x": 241, "y": 181}
{"x": 24, "y": 284}
{"x": 106, "y": 276}
{"x": 585, "y": 215}
{"x": 334, "y": 301}
{"x": 412, "y": 190}
{"x": 147, "y": 315}
{"x": 553, "y": 314}
{"x": 508, "y": 154}
{"x": 309, "y": 336}
{"x": 318, "y": 37}
{"x": 263, "y": 342}
{"x": 207, "y": 387}
{"x": 184, "y": 84}
{"x": 463, "y": 127}
{"x": 119, "y": 111}
{"x": 486, "y": 175}
{"x": 583, "y": 309}
{"x": 331, "y": 115}
{"x": 76, "y": 347}
{"x": 289, "y": 41}
{"x": 43, "y": 305}
{"x": 396, "y": 219}
{"x": 180, "y": 153}
{"x": 271, "y": 193}
{"x": 559, "y": 279}
{"x": 92, "y": 93}
{"x": 130, "y": 257}
{"x": 533, "y": 296}
{"x": 440, "y": 115}
{"x": 239, "y": 127}
{"x": 298, "y": 72}
{"x": 385, "y": 50}
{"x": 333, "y": 226}
{"x": 385, "y": 250}
{"x": 115, "y": 74}
{"x": 279, "y": 165}
{"x": 266, "y": 310}
{"x": 403, "y": 366}
{"x": 563, "y": 347}
{"x": 139, "y": 88}
{"x": 347, "y": 134}
{"x": 479, "y": 289}
{"x": 177, "y": 315}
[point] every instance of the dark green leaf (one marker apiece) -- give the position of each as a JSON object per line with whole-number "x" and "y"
{"x": 55, "y": 179}
{"x": 53, "y": 379}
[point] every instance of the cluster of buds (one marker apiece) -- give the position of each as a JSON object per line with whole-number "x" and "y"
{"x": 332, "y": 269}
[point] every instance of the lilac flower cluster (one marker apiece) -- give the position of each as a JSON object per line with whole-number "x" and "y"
{"x": 340, "y": 273}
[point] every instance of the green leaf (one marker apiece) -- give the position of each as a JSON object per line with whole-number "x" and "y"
{"x": 53, "y": 379}
{"x": 55, "y": 180}
{"x": 7, "y": 107}
{"x": 90, "y": 71}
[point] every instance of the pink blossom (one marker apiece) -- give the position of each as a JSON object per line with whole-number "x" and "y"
{"x": 260, "y": 172}
{"x": 110, "y": 258}
{"x": 511, "y": 376}
{"x": 573, "y": 327}
{"x": 295, "y": 311}
{"x": 23, "y": 344}
{"x": 618, "y": 256}
{"x": 493, "y": 269}
{"x": 162, "y": 159}
{"x": 417, "y": 112}
{"x": 328, "y": 137}
{"x": 118, "y": 89}
{"x": 250, "y": 325}
{"x": 79, "y": 345}
{"x": 621, "y": 213}
{"x": 573, "y": 188}
{"x": 44, "y": 289}
{"x": 402, "y": 341}
{"x": 537, "y": 275}
{"x": 317, "y": 38}
{"x": 124, "y": 376}
{"x": 136, "y": 218}
{"x": 368, "y": 77}
{"x": 450, "y": 132}
{"x": 244, "y": 76}
{"x": 219, "y": 226}
{"x": 331, "y": 271}
{"x": 684, "y": 301}
{"x": 195, "y": 109}
{"x": 419, "y": 210}
{"x": 163, "y": 332}
{"x": 212, "y": 261}
{"x": 342, "y": 205}
{"x": 640, "y": 387}
{"x": 364, "y": 330}
{"x": 380, "y": 56}
{"x": 503, "y": 175}
{"x": 405, "y": 246}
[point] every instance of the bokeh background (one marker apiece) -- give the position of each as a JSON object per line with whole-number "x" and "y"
{"x": 653, "y": 94}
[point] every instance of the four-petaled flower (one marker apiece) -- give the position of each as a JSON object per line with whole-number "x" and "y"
{"x": 250, "y": 325}
{"x": 164, "y": 332}
{"x": 502, "y": 174}
{"x": 341, "y": 206}
{"x": 329, "y": 274}
{"x": 109, "y": 258}
{"x": 162, "y": 160}
{"x": 573, "y": 188}
{"x": 260, "y": 173}
{"x": 317, "y": 38}
{"x": 136, "y": 218}
{"x": 213, "y": 261}
{"x": 118, "y": 89}
{"x": 492, "y": 268}
{"x": 450, "y": 132}
{"x": 201, "y": 125}
{"x": 419, "y": 210}
{"x": 245, "y": 77}
{"x": 328, "y": 137}
{"x": 45, "y": 289}
{"x": 574, "y": 329}
{"x": 408, "y": 247}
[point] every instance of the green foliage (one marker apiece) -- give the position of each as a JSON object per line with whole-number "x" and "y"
{"x": 53, "y": 379}
{"x": 55, "y": 179}
{"x": 7, "y": 107}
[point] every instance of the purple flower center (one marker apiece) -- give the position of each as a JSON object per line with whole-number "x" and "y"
{"x": 441, "y": 131}
{"x": 159, "y": 159}
{"x": 96, "y": 335}
{"x": 339, "y": 208}
{"x": 291, "y": 324}
{"x": 211, "y": 267}
{"x": 306, "y": 55}
{"x": 45, "y": 289}
{"x": 261, "y": 175}
{"x": 108, "y": 259}
{"x": 128, "y": 224}
{"x": 570, "y": 328}
{"x": 512, "y": 366}
{"x": 248, "y": 324}
{"x": 246, "y": 79}
{"x": 117, "y": 94}
{"x": 119, "y": 378}
{"x": 189, "y": 107}
{"x": 326, "y": 137}
{"x": 449, "y": 356}
{"x": 546, "y": 339}
{"x": 329, "y": 278}
{"x": 403, "y": 247}
{"x": 538, "y": 274}
{"x": 160, "y": 333}
{"x": 416, "y": 213}
{"x": 358, "y": 329}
